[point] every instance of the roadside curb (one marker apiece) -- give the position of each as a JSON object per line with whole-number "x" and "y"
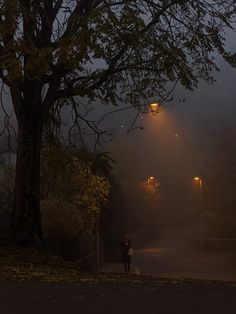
{"x": 118, "y": 268}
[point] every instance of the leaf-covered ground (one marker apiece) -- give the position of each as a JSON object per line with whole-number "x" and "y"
{"x": 17, "y": 264}
{"x": 23, "y": 264}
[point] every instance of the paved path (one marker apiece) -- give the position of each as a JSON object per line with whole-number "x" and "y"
{"x": 116, "y": 298}
{"x": 173, "y": 258}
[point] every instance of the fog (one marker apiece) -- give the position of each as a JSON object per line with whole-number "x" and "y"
{"x": 172, "y": 147}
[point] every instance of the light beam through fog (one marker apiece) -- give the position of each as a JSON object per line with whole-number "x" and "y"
{"x": 171, "y": 148}
{"x": 160, "y": 151}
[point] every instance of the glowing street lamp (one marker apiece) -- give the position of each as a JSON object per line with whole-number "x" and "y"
{"x": 153, "y": 182}
{"x": 155, "y": 108}
{"x": 199, "y": 181}
{"x": 150, "y": 180}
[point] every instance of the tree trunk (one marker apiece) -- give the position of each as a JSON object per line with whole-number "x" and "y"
{"x": 26, "y": 218}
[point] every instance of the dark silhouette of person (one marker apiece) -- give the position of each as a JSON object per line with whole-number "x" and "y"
{"x": 125, "y": 245}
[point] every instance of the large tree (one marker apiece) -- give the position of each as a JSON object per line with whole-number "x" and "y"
{"x": 97, "y": 51}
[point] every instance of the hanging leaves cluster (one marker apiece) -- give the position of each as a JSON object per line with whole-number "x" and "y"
{"x": 73, "y": 195}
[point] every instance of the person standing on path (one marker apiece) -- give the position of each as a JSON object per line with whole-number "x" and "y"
{"x": 126, "y": 252}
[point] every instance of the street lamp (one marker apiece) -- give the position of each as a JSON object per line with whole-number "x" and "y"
{"x": 97, "y": 243}
{"x": 150, "y": 180}
{"x": 199, "y": 181}
{"x": 155, "y": 108}
{"x": 153, "y": 182}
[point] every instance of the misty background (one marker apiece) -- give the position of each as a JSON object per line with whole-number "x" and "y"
{"x": 174, "y": 147}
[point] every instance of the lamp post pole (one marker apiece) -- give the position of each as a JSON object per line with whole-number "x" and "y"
{"x": 97, "y": 243}
{"x": 199, "y": 180}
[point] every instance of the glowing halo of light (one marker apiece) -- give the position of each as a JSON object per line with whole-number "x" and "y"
{"x": 155, "y": 108}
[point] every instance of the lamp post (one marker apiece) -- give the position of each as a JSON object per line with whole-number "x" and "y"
{"x": 153, "y": 182}
{"x": 97, "y": 243}
{"x": 150, "y": 180}
{"x": 155, "y": 108}
{"x": 199, "y": 181}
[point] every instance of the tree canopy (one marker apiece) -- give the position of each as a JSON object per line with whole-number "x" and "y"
{"x": 108, "y": 50}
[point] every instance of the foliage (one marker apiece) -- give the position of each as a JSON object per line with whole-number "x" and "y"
{"x": 110, "y": 50}
{"x": 72, "y": 194}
